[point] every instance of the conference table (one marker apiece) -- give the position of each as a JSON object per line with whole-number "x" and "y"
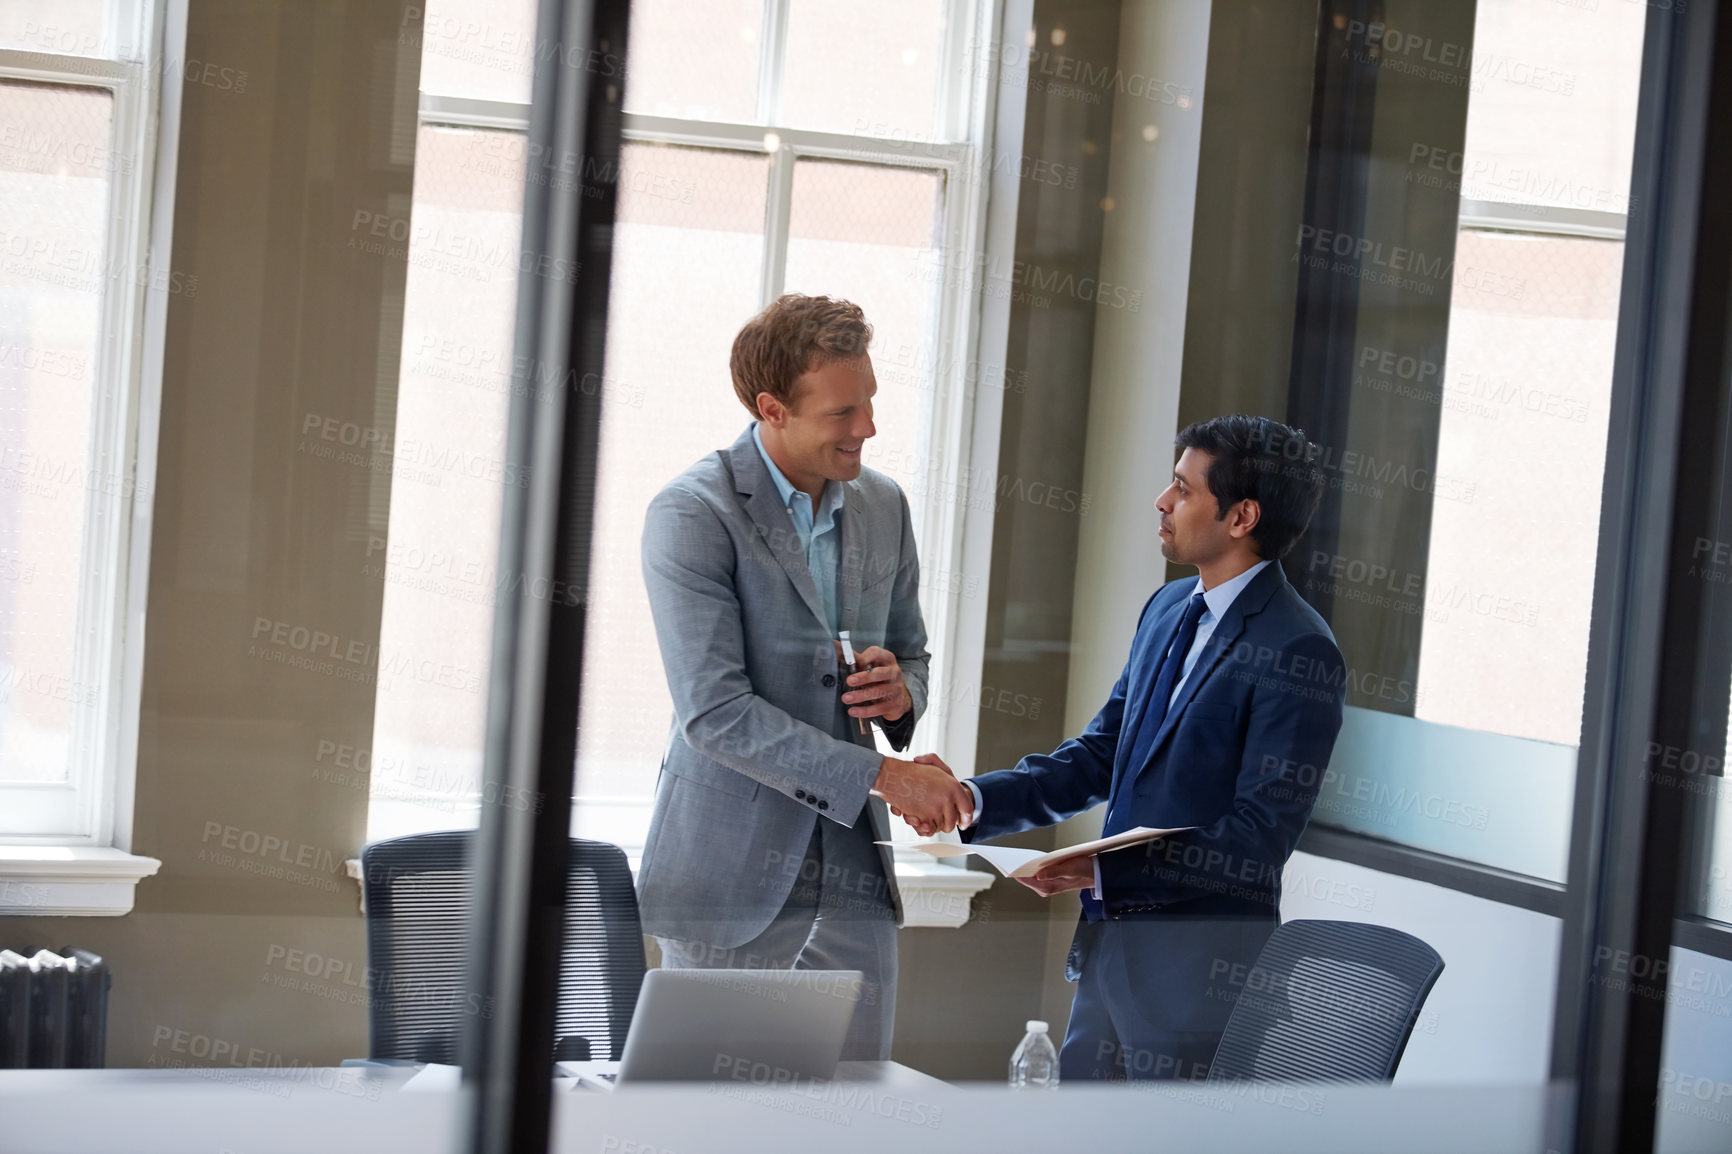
{"x": 869, "y": 1107}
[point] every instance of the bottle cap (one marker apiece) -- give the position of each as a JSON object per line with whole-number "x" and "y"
{"x": 1035, "y": 1026}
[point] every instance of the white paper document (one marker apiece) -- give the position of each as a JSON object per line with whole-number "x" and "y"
{"x": 1022, "y": 863}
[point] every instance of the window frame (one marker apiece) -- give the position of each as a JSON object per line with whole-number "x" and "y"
{"x": 958, "y": 149}
{"x": 76, "y": 861}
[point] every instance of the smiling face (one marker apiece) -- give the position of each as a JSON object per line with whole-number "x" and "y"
{"x": 818, "y": 437}
{"x": 1193, "y": 531}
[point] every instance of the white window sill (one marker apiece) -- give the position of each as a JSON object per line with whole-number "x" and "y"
{"x": 69, "y": 881}
{"x": 934, "y": 895}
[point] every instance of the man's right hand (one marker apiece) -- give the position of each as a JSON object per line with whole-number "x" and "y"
{"x": 927, "y": 795}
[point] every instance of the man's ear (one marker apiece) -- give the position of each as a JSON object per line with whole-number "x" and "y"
{"x": 1246, "y": 514}
{"x": 771, "y": 411}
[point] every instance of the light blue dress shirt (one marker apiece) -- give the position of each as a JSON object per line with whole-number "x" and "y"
{"x": 1216, "y": 601}
{"x": 820, "y": 536}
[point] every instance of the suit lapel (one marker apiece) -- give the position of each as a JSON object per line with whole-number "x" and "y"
{"x": 851, "y": 555}
{"x": 770, "y": 518}
{"x": 1250, "y": 601}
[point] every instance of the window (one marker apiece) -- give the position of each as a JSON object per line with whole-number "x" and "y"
{"x": 1484, "y": 767}
{"x": 1544, "y": 180}
{"x": 745, "y": 174}
{"x": 78, "y": 294}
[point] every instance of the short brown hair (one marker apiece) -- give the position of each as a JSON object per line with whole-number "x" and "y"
{"x": 789, "y": 338}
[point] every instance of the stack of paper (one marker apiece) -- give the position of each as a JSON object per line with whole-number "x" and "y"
{"x": 1024, "y": 863}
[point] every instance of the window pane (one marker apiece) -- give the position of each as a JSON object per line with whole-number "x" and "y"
{"x": 70, "y": 27}
{"x": 54, "y": 183}
{"x": 865, "y": 68}
{"x": 686, "y": 268}
{"x": 698, "y": 61}
{"x": 860, "y": 232}
{"x": 482, "y": 49}
{"x": 1552, "y": 114}
{"x": 439, "y": 558}
{"x": 1526, "y": 385}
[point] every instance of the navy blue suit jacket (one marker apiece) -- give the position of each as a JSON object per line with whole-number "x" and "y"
{"x": 1240, "y": 755}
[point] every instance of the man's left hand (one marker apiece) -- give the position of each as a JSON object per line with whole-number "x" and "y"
{"x": 880, "y": 690}
{"x": 1073, "y": 873}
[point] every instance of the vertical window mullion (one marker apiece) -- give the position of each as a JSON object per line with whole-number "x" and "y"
{"x": 778, "y": 207}
{"x": 772, "y": 47}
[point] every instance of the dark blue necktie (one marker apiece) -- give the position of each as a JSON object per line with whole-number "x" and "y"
{"x": 1154, "y": 714}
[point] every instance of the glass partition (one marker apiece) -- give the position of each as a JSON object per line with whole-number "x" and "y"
{"x": 271, "y": 390}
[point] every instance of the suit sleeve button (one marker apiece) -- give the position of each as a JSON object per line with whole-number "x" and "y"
{"x": 829, "y": 680}
{"x": 823, "y": 805}
{"x": 801, "y": 794}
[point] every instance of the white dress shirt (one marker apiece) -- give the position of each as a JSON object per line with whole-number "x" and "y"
{"x": 816, "y": 529}
{"x": 1216, "y": 602}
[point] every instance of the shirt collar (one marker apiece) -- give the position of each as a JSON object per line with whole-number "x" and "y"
{"x": 1221, "y": 597}
{"x": 828, "y": 504}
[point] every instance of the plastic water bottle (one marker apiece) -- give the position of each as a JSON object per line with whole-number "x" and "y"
{"x": 1035, "y": 1062}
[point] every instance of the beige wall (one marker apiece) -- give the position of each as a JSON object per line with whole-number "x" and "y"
{"x": 288, "y": 320}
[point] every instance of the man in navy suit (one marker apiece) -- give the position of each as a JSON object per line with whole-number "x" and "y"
{"x": 1223, "y": 719}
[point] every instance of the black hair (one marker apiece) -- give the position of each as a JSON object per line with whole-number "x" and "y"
{"x": 1258, "y": 459}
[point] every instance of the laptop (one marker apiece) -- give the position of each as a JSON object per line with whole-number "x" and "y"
{"x": 756, "y": 1027}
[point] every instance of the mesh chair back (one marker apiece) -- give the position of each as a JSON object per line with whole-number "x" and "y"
{"x": 1327, "y": 1001}
{"x": 417, "y": 891}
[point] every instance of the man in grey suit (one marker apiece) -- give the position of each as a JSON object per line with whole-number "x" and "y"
{"x": 760, "y": 851}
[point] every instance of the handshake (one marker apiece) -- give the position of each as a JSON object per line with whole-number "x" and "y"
{"x": 925, "y": 793}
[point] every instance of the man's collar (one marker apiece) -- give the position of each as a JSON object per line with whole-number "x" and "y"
{"x": 1221, "y": 597}
{"x": 827, "y": 504}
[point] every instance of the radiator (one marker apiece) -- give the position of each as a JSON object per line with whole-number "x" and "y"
{"x": 53, "y": 1009}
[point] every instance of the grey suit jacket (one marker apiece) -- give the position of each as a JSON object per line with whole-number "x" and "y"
{"x": 761, "y": 747}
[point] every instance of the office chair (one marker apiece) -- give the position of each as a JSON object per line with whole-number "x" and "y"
{"x": 1327, "y": 1002}
{"x": 417, "y": 891}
